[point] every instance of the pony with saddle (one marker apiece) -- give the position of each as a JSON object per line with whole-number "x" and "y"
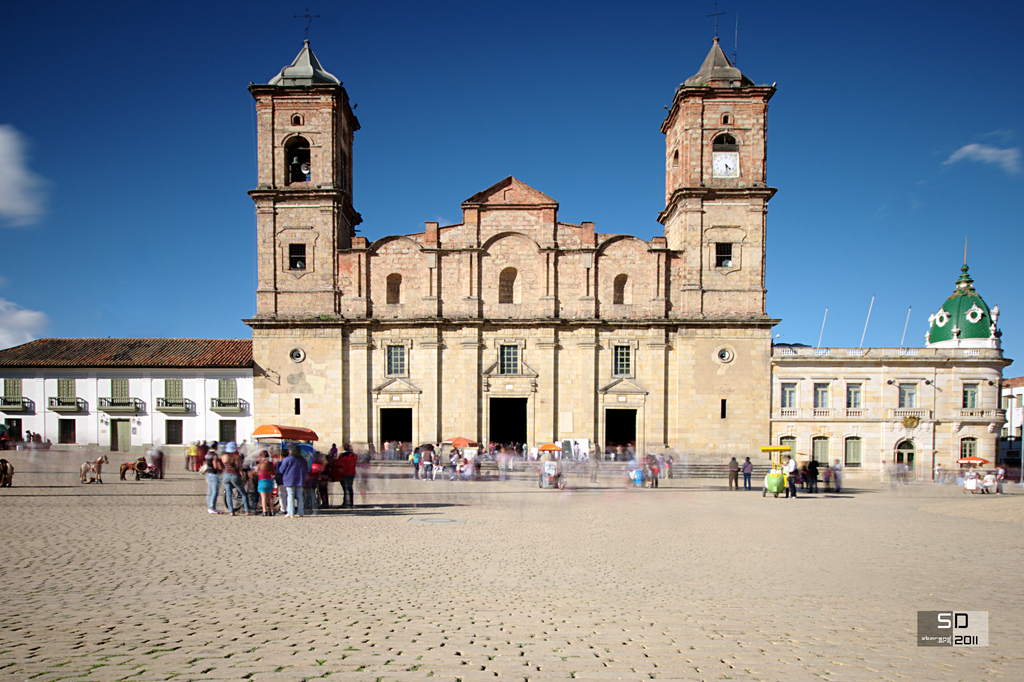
{"x": 95, "y": 469}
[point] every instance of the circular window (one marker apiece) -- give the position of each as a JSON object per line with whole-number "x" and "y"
{"x": 725, "y": 355}
{"x": 297, "y": 355}
{"x": 974, "y": 315}
{"x": 942, "y": 318}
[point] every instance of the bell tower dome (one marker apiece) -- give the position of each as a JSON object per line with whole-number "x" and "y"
{"x": 303, "y": 196}
{"x": 716, "y": 196}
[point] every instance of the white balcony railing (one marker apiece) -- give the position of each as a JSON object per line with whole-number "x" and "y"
{"x": 904, "y": 412}
{"x": 854, "y": 412}
{"x": 976, "y": 413}
{"x": 822, "y": 412}
{"x": 789, "y": 412}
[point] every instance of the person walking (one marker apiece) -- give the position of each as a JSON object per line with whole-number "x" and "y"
{"x": 734, "y": 474}
{"x": 265, "y": 482}
{"x": 791, "y": 473}
{"x": 748, "y": 468}
{"x": 1000, "y": 477}
{"x": 293, "y": 473}
{"x": 416, "y": 463}
{"x": 231, "y": 477}
{"x": 213, "y": 470}
{"x": 837, "y": 475}
{"x": 347, "y": 470}
{"x": 595, "y": 465}
{"x": 812, "y": 476}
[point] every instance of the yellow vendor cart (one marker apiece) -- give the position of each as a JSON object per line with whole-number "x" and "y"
{"x": 775, "y": 480}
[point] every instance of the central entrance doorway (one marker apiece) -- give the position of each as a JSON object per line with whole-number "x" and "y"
{"x": 619, "y": 430}
{"x": 508, "y": 421}
{"x": 905, "y": 453}
{"x": 120, "y": 435}
{"x": 396, "y": 424}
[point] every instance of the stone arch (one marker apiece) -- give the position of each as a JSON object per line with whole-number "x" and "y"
{"x": 394, "y": 288}
{"x": 297, "y": 160}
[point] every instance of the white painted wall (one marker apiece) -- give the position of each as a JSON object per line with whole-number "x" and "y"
{"x": 92, "y": 426}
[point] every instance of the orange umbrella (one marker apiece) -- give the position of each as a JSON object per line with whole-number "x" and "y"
{"x": 461, "y": 442}
{"x": 972, "y": 460}
{"x": 550, "y": 447}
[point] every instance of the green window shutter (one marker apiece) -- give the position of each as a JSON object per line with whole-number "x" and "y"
{"x": 173, "y": 388}
{"x": 226, "y": 389}
{"x": 65, "y": 388}
{"x": 119, "y": 388}
{"x": 12, "y": 388}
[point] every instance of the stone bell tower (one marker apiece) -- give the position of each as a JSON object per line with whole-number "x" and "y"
{"x": 716, "y": 196}
{"x": 303, "y": 194}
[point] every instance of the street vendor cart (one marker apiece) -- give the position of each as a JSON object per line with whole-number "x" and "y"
{"x": 775, "y": 480}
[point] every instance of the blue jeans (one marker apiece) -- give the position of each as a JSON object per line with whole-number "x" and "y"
{"x": 233, "y": 482}
{"x": 212, "y": 490}
{"x": 746, "y": 480}
{"x": 294, "y": 494}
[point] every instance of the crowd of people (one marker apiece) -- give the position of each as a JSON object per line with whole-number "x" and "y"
{"x": 298, "y": 479}
{"x": 31, "y": 440}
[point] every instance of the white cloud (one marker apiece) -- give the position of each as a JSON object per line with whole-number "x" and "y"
{"x": 1009, "y": 159}
{"x": 18, "y": 325}
{"x": 21, "y": 190}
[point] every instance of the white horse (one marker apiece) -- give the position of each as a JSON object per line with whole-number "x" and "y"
{"x": 95, "y": 468}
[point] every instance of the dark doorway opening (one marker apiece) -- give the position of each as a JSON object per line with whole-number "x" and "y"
{"x": 13, "y": 429}
{"x": 619, "y": 429}
{"x": 508, "y": 421}
{"x": 66, "y": 431}
{"x": 396, "y": 424}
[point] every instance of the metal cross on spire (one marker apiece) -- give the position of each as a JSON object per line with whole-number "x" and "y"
{"x": 310, "y": 17}
{"x": 716, "y": 15}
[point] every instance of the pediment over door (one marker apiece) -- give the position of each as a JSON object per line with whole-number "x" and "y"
{"x": 396, "y": 385}
{"x": 623, "y": 387}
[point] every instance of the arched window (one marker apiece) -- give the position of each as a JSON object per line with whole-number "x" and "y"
{"x": 675, "y": 159}
{"x": 507, "y": 285}
{"x": 296, "y": 161}
{"x": 905, "y": 452}
{"x": 853, "y": 451}
{"x": 296, "y": 120}
{"x": 819, "y": 449}
{"x": 726, "y": 119}
{"x": 394, "y": 289}
{"x": 619, "y": 290}
{"x": 968, "y": 447}
{"x": 725, "y": 143}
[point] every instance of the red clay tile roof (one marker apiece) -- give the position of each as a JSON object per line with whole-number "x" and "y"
{"x": 129, "y": 353}
{"x": 1013, "y": 383}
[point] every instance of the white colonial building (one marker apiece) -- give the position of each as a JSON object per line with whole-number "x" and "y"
{"x": 128, "y": 394}
{"x": 919, "y": 406}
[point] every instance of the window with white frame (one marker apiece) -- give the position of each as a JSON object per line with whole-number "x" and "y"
{"x": 908, "y": 396}
{"x": 788, "y": 396}
{"x": 970, "y": 396}
{"x": 396, "y": 360}
{"x": 622, "y": 363}
{"x": 508, "y": 359}
{"x": 853, "y": 395}
{"x": 820, "y": 396}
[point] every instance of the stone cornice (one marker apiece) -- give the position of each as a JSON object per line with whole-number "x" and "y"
{"x": 363, "y": 323}
{"x": 713, "y": 194}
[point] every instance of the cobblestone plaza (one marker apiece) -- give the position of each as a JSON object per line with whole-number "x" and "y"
{"x": 133, "y": 580}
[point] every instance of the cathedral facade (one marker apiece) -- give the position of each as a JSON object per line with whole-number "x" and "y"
{"x": 513, "y": 326}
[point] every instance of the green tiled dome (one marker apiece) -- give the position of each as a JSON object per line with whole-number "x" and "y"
{"x": 964, "y": 315}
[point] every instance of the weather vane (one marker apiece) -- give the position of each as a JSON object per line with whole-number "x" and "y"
{"x": 310, "y": 17}
{"x": 715, "y": 15}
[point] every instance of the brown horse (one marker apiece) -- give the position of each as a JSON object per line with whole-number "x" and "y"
{"x": 95, "y": 468}
{"x": 6, "y": 473}
{"x": 138, "y": 466}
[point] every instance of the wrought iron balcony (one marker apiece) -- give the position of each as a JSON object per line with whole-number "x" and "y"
{"x": 16, "y": 404}
{"x": 67, "y": 404}
{"x": 122, "y": 405}
{"x": 175, "y": 405}
{"x": 228, "y": 405}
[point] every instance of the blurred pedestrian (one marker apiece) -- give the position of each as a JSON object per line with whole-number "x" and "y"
{"x": 1000, "y": 477}
{"x": 748, "y": 468}
{"x": 213, "y": 468}
{"x": 812, "y": 476}
{"x": 293, "y": 472}
{"x": 265, "y": 483}
{"x": 231, "y": 477}
{"x": 791, "y": 474}
{"x": 734, "y": 474}
{"x": 347, "y": 469}
{"x": 837, "y": 476}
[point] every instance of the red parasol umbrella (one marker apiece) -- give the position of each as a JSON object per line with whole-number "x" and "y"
{"x": 972, "y": 460}
{"x": 550, "y": 447}
{"x": 461, "y": 442}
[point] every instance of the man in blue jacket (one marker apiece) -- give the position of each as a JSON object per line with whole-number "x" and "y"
{"x": 293, "y": 470}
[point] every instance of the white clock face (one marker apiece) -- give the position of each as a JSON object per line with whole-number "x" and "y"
{"x": 725, "y": 165}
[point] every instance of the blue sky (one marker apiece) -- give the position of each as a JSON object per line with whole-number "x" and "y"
{"x": 127, "y": 145}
